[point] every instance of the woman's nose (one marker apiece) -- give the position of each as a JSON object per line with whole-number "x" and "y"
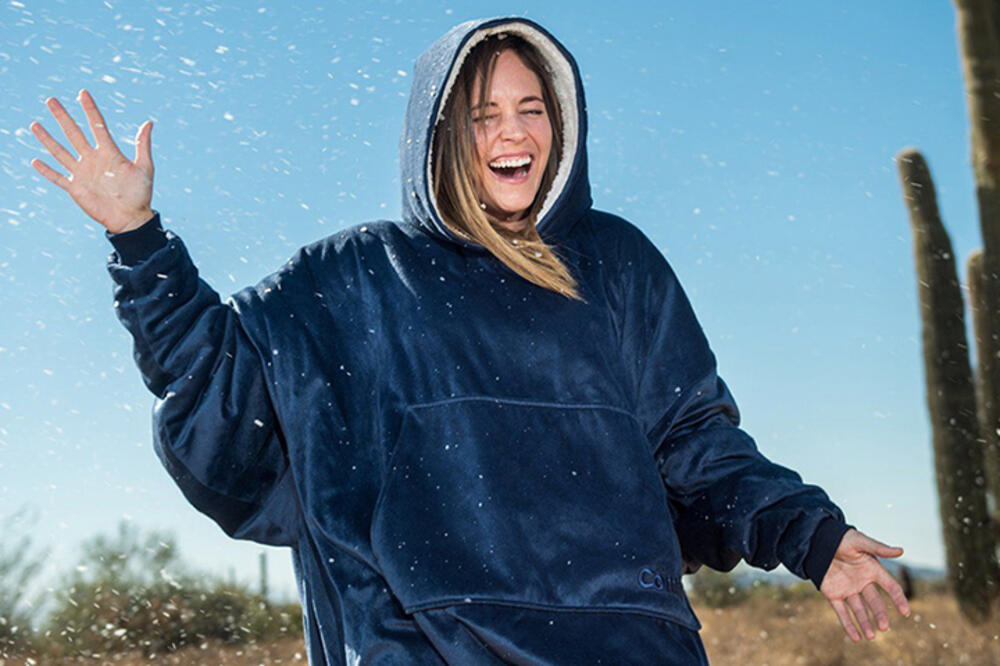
{"x": 511, "y": 126}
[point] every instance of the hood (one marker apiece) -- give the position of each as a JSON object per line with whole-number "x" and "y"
{"x": 435, "y": 72}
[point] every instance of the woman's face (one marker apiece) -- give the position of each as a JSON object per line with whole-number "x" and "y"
{"x": 514, "y": 138}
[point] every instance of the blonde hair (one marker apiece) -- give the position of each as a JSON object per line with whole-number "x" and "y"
{"x": 457, "y": 179}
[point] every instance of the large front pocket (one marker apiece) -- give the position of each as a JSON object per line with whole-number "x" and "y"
{"x": 503, "y": 501}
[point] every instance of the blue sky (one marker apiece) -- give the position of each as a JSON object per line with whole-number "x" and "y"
{"x": 754, "y": 143}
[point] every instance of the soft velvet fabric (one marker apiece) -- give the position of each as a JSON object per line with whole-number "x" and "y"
{"x": 469, "y": 469}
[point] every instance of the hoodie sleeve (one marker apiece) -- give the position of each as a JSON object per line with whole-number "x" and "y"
{"x": 215, "y": 428}
{"x": 728, "y": 501}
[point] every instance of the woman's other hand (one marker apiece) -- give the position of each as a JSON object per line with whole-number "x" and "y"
{"x": 851, "y": 581}
{"x": 110, "y": 188}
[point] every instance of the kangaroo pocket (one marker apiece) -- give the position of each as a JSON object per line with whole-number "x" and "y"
{"x": 536, "y": 505}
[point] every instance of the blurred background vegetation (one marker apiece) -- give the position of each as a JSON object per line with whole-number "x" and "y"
{"x": 130, "y": 592}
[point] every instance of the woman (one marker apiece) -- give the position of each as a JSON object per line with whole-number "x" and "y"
{"x": 491, "y": 432}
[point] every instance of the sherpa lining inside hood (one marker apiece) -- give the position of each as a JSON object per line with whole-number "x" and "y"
{"x": 565, "y": 89}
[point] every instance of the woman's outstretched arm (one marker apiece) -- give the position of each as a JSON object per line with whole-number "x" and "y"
{"x": 728, "y": 500}
{"x": 215, "y": 426}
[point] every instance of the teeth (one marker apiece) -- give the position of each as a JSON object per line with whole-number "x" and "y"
{"x": 511, "y": 162}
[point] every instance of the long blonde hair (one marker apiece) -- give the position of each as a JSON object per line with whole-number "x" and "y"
{"x": 457, "y": 179}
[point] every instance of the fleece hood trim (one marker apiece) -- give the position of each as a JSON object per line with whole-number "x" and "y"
{"x": 434, "y": 76}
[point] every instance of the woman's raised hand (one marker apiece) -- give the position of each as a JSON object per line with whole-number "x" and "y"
{"x": 851, "y": 582}
{"x": 110, "y": 188}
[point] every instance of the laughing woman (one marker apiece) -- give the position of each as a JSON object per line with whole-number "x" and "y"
{"x": 491, "y": 432}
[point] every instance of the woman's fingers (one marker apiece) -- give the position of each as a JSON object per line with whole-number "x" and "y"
{"x": 877, "y": 606}
{"x": 861, "y": 614}
{"x": 845, "y": 619}
{"x": 895, "y": 592}
{"x": 112, "y": 189}
{"x": 97, "y": 125}
{"x": 54, "y": 176}
{"x": 69, "y": 127}
{"x": 64, "y": 157}
{"x": 143, "y": 147}
{"x": 878, "y": 548}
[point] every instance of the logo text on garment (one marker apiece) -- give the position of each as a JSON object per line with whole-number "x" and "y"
{"x": 649, "y": 578}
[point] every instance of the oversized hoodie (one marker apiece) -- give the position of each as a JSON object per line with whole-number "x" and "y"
{"x": 468, "y": 468}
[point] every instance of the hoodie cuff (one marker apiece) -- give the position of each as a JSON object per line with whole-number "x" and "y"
{"x": 823, "y": 546}
{"x": 138, "y": 244}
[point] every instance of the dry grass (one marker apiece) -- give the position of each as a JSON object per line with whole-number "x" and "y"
{"x": 763, "y": 632}
{"x": 286, "y": 651}
{"x": 759, "y": 632}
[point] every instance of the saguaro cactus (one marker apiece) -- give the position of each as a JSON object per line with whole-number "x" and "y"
{"x": 978, "y": 24}
{"x": 987, "y": 395}
{"x": 951, "y": 399}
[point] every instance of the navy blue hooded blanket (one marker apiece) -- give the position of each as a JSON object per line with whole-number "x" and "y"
{"x": 468, "y": 468}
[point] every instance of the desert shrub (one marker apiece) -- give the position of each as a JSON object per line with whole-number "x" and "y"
{"x": 128, "y": 592}
{"x": 717, "y": 588}
{"x": 230, "y": 613}
{"x": 19, "y": 566}
{"x": 133, "y": 592}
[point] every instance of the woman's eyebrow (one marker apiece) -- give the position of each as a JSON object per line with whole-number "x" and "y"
{"x": 529, "y": 98}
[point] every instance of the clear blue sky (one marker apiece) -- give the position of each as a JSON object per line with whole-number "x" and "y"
{"x": 753, "y": 142}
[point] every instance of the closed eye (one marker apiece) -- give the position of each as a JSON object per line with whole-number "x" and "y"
{"x": 493, "y": 116}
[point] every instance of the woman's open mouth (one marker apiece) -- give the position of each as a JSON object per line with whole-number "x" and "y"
{"x": 512, "y": 169}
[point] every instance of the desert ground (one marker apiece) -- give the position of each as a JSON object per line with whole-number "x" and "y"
{"x": 757, "y": 632}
